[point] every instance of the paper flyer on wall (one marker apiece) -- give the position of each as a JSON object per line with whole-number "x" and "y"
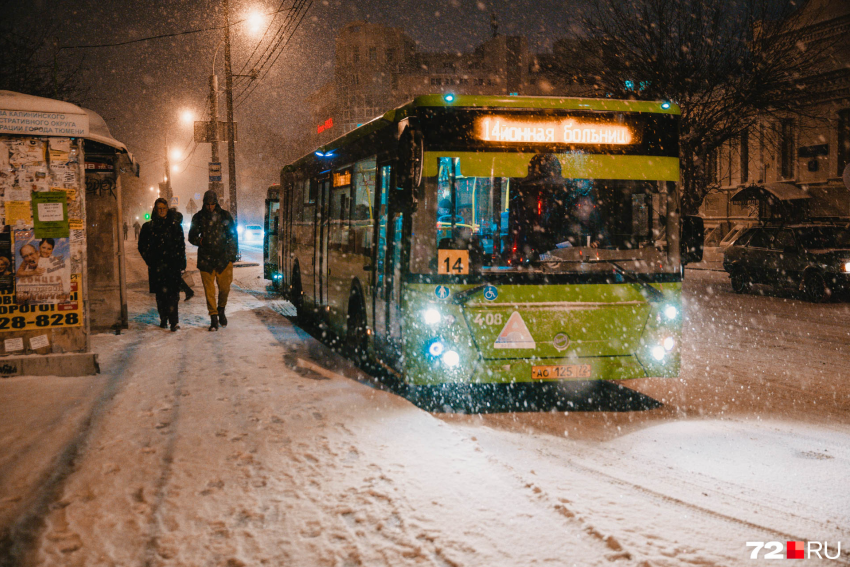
{"x": 43, "y": 275}
{"x": 50, "y": 214}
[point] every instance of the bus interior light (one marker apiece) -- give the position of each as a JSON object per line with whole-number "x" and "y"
{"x": 451, "y": 358}
{"x": 671, "y": 312}
{"x": 432, "y": 317}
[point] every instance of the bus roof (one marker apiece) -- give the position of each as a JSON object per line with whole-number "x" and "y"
{"x": 483, "y": 101}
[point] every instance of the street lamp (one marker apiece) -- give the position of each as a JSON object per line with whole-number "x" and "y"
{"x": 255, "y": 21}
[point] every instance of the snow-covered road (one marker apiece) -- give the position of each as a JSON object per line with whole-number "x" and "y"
{"x": 258, "y": 445}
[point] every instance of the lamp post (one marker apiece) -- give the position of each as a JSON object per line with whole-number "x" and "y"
{"x": 228, "y": 87}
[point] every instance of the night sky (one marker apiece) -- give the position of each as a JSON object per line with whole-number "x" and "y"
{"x": 141, "y": 88}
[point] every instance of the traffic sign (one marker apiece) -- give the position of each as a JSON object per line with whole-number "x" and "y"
{"x": 215, "y": 171}
{"x": 175, "y": 202}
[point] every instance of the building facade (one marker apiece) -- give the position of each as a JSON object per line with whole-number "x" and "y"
{"x": 378, "y": 68}
{"x": 807, "y": 151}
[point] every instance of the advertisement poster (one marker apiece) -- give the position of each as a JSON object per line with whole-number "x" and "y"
{"x": 50, "y": 214}
{"x": 43, "y": 274}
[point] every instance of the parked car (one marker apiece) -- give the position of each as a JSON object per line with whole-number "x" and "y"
{"x": 254, "y": 233}
{"x": 813, "y": 258}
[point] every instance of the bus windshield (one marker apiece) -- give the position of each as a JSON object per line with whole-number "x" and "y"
{"x": 540, "y": 223}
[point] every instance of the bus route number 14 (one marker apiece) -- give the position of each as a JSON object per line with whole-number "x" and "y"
{"x": 453, "y": 262}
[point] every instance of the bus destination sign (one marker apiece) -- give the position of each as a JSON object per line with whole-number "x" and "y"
{"x": 551, "y": 131}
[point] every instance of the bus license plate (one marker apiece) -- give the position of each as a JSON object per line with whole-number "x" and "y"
{"x": 560, "y": 372}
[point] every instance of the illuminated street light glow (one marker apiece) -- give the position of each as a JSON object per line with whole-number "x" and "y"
{"x": 255, "y": 20}
{"x": 187, "y": 117}
{"x": 176, "y": 154}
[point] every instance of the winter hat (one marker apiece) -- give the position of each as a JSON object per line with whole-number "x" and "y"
{"x": 210, "y": 197}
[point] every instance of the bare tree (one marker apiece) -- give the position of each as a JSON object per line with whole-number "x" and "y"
{"x": 728, "y": 63}
{"x": 32, "y": 62}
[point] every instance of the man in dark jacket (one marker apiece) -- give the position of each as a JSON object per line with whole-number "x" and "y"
{"x": 163, "y": 249}
{"x": 214, "y": 233}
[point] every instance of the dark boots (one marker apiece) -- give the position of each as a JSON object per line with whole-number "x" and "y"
{"x": 213, "y": 322}
{"x": 222, "y": 317}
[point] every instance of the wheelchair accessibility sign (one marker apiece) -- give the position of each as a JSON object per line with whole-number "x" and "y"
{"x": 491, "y": 293}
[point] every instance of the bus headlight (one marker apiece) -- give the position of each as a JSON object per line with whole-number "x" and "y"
{"x": 669, "y": 343}
{"x": 432, "y": 317}
{"x": 671, "y": 312}
{"x": 657, "y": 352}
{"x": 436, "y": 348}
{"x": 451, "y": 358}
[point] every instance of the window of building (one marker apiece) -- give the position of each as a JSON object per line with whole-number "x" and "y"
{"x": 843, "y": 140}
{"x": 436, "y": 81}
{"x": 355, "y": 54}
{"x": 390, "y": 54}
{"x": 711, "y": 166}
{"x": 744, "y": 154}
{"x": 373, "y": 54}
{"x": 786, "y": 149}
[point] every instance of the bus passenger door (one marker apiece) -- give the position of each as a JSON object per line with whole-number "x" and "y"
{"x": 322, "y": 228}
{"x": 271, "y": 262}
{"x": 379, "y": 315}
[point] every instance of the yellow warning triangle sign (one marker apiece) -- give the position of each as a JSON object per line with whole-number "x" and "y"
{"x": 515, "y": 334}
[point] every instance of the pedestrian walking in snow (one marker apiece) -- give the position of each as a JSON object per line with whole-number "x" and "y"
{"x": 184, "y": 287}
{"x": 136, "y": 228}
{"x": 214, "y": 233}
{"x": 162, "y": 246}
{"x": 126, "y": 229}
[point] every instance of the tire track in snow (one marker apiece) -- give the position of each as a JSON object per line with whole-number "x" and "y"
{"x": 161, "y": 485}
{"x": 19, "y": 542}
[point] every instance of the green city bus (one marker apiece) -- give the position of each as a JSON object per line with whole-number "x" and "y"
{"x": 493, "y": 239}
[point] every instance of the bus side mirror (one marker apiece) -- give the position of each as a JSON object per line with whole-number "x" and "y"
{"x": 693, "y": 239}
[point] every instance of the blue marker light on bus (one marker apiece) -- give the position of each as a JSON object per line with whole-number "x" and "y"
{"x": 665, "y": 105}
{"x": 449, "y": 97}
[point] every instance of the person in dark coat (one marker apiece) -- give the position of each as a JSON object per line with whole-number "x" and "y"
{"x": 214, "y": 233}
{"x": 184, "y": 287}
{"x": 162, "y": 246}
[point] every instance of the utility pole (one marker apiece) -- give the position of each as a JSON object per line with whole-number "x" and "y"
{"x": 228, "y": 86}
{"x": 167, "y": 175}
{"x": 214, "y": 185}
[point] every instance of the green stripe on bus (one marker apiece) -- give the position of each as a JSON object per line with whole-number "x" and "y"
{"x": 573, "y": 166}
{"x": 540, "y": 102}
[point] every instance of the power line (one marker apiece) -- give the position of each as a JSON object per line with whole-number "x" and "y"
{"x": 161, "y": 36}
{"x": 242, "y": 96}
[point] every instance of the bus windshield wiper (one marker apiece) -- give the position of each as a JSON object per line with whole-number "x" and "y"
{"x": 462, "y": 297}
{"x": 652, "y": 293}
